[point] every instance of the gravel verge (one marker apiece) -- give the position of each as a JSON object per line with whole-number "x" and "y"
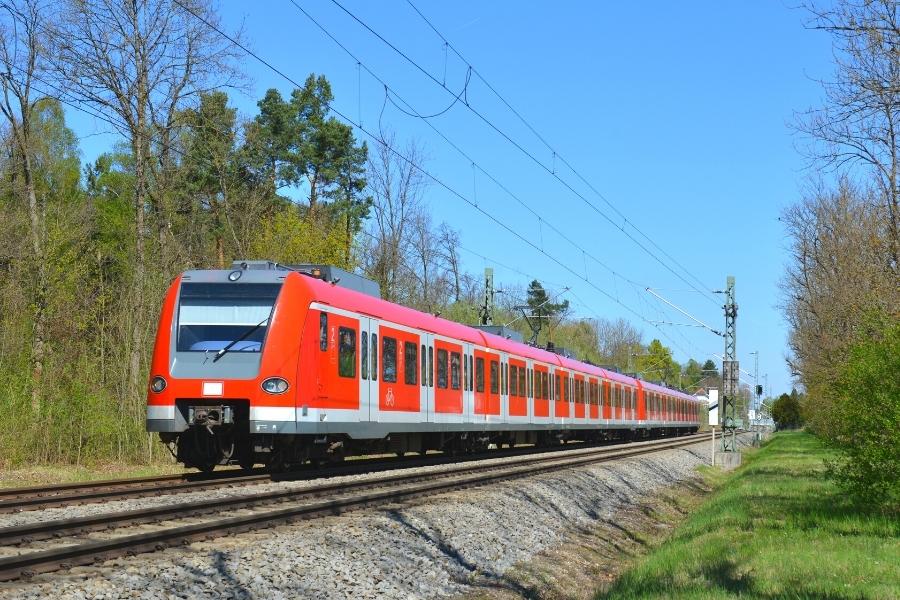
{"x": 438, "y": 546}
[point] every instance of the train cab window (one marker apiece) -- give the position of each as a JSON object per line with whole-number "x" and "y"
{"x": 374, "y": 346}
{"x": 442, "y": 370}
{"x": 495, "y": 377}
{"x": 410, "y": 363}
{"x": 323, "y": 331}
{"x": 522, "y": 371}
{"x": 364, "y": 355}
{"x": 389, "y": 359}
{"x": 455, "y": 359}
{"x": 479, "y": 374}
{"x": 513, "y": 380}
{"x": 430, "y": 366}
{"x": 346, "y": 352}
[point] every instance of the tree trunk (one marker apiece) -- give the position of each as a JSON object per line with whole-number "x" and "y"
{"x": 140, "y": 198}
{"x": 40, "y": 300}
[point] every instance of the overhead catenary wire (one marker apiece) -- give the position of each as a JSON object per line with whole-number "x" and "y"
{"x": 121, "y": 127}
{"x": 547, "y": 144}
{"x": 400, "y": 155}
{"x": 76, "y": 105}
{"x": 412, "y": 112}
{"x": 524, "y": 151}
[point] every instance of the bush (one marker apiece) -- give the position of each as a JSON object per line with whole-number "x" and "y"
{"x": 786, "y": 411}
{"x": 866, "y": 400}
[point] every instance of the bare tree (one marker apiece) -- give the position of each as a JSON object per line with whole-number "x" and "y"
{"x": 22, "y": 59}
{"x": 396, "y": 186}
{"x": 618, "y": 340}
{"x": 835, "y": 278}
{"x": 428, "y": 285}
{"x": 861, "y": 120}
{"x": 448, "y": 240}
{"x": 140, "y": 61}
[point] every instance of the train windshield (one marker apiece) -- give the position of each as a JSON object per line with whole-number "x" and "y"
{"x": 213, "y": 315}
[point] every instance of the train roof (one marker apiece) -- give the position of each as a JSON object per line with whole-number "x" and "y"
{"x": 329, "y": 292}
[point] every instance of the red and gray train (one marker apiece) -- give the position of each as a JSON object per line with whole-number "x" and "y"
{"x": 274, "y": 365}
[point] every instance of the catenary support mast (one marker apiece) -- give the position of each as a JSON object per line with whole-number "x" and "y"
{"x": 730, "y": 369}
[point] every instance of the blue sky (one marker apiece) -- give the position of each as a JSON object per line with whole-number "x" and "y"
{"x": 676, "y": 112}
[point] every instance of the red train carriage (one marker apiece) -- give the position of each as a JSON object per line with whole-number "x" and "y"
{"x": 279, "y": 365}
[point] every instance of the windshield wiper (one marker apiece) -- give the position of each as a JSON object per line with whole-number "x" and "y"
{"x": 247, "y": 334}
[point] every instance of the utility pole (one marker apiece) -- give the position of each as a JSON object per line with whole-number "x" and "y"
{"x": 730, "y": 370}
{"x": 756, "y": 387}
{"x": 487, "y": 309}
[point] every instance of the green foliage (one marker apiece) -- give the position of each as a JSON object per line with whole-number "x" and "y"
{"x": 542, "y": 310}
{"x": 786, "y": 411}
{"x": 866, "y": 397}
{"x": 776, "y": 528}
{"x": 657, "y": 364}
{"x": 291, "y": 238}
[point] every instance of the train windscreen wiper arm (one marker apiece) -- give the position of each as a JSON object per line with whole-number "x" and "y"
{"x": 247, "y": 334}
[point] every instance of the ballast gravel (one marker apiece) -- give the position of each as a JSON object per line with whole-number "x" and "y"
{"x": 429, "y": 547}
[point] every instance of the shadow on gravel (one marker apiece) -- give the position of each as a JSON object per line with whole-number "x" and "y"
{"x": 230, "y": 586}
{"x": 489, "y": 579}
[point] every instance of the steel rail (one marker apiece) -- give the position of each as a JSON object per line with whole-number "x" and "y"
{"x": 387, "y": 489}
{"x": 58, "y": 495}
{"x": 80, "y": 525}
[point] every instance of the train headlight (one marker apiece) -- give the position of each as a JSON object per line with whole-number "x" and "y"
{"x": 275, "y": 385}
{"x": 234, "y": 275}
{"x": 157, "y": 384}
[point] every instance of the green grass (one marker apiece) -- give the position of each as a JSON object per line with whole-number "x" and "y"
{"x": 49, "y": 474}
{"x": 775, "y": 528}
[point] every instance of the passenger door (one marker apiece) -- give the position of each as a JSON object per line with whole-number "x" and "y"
{"x": 368, "y": 369}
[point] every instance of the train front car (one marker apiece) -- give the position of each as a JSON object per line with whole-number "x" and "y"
{"x": 225, "y": 359}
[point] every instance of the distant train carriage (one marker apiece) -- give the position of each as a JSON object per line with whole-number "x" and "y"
{"x": 280, "y": 365}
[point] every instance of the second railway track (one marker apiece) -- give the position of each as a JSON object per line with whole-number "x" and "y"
{"x": 305, "y": 503}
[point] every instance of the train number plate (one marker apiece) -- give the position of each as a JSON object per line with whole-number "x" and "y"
{"x": 213, "y": 388}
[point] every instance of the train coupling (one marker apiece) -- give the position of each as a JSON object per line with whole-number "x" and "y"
{"x": 210, "y": 416}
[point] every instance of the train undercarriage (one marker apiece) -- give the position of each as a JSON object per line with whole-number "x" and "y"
{"x": 219, "y": 434}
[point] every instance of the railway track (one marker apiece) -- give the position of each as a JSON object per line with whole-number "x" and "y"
{"x": 14, "y": 500}
{"x": 306, "y": 503}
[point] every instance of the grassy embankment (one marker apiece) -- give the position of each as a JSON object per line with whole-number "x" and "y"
{"x": 46, "y": 475}
{"x": 776, "y": 528}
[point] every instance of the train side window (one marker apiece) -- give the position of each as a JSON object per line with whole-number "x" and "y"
{"x": 502, "y": 378}
{"x": 430, "y": 366}
{"x": 455, "y": 359}
{"x": 522, "y": 382}
{"x": 513, "y": 380}
{"x": 495, "y": 377}
{"x": 465, "y": 359}
{"x": 479, "y": 374}
{"x": 410, "y": 363}
{"x": 442, "y": 368}
{"x": 424, "y": 366}
{"x": 364, "y": 355}
{"x": 374, "y": 347}
{"x": 545, "y": 383}
{"x": 323, "y": 331}
{"x": 346, "y": 352}
{"x": 389, "y": 359}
